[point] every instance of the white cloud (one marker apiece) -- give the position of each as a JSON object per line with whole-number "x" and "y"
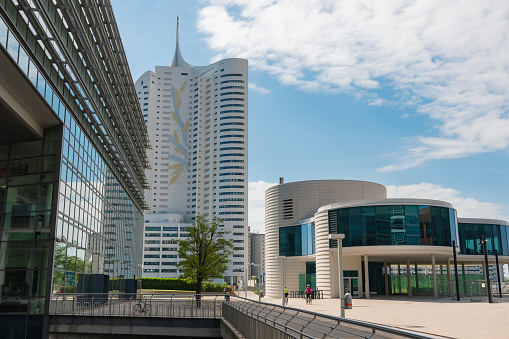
{"x": 466, "y": 207}
{"x": 256, "y": 206}
{"x": 447, "y": 59}
{"x": 258, "y": 89}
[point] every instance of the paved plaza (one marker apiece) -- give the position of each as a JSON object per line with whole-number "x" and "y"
{"x": 444, "y": 317}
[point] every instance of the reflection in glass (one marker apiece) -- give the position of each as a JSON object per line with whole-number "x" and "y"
{"x": 296, "y": 240}
{"x": 394, "y": 225}
{"x": 470, "y": 236}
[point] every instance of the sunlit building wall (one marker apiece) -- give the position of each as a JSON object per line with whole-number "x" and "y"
{"x": 72, "y": 159}
{"x": 390, "y": 246}
{"x": 197, "y": 118}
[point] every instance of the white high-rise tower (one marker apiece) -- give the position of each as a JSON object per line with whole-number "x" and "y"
{"x": 197, "y": 118}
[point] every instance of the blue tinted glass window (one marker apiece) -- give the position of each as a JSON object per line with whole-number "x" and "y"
{"x": 412, "y": 225}
{"x": 313, "y": 249}
{"x": 446, "y": 224}
{"x": 298, "y": 240}
{"x": 453, "y": 225}
{"x": 425, "y": 225}
{"x": 383, "y": 225}
{"x": 344, "y": 225}
{"x": 398, "y": 231}
{"x": 355, "y": 218}
{"x": 304, "y": 239}
{"x": 462, "y": 241}
{"x": 436, "y": 226}
{"x": 488, "y": 230}
{"x": 282, "y": 241}
{"x": 368, "y": 226}
{"x": 503, "y": 234}
{"x": 497, "y": 244}
{"x": 470, "y": 244}
{"x": 478, "y": 233}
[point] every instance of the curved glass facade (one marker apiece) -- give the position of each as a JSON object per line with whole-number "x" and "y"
{"x": 297, "y": 240}
{"x": 394, "y": 225}
{"x": 470, "y": 235}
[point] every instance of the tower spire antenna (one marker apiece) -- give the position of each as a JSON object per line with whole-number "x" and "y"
{"x": 178, "y": 60}
{"x": 177, "y": 31}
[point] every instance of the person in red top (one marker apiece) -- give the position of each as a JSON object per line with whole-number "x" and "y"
{"x": 308, "y": 294}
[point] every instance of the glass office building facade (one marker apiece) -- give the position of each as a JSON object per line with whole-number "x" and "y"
{"x": 471, "y": 235}
{"x": 27, "y": 180}
{"x": 297, "y": 240}
{"x": 71, "y": 184}
{"x": 394, "y": 225}
{"x": 398, "y": 245}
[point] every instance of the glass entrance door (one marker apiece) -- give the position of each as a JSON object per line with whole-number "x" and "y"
{"x": 352, "y": 286}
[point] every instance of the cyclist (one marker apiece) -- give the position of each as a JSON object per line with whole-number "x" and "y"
{"x": 286, "y": 295}
{"x": 308, "y": 294}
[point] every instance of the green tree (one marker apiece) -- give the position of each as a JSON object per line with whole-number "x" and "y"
{"x": 205, "y": 252}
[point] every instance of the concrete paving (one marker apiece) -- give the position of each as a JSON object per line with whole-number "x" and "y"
{"x": 444, "y": 316}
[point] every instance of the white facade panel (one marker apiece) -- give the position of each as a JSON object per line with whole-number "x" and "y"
{"x": 197, "y": 119}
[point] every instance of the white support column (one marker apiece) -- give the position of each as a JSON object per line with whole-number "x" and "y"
{"x": 366, "y": 275}
{"x": 442, "y": 279}
{"x": 434, "y": 273}
{"x": 449, "y": 276}
{"x": 341, "y": 277}
{"x": 283, "y": 286}
{"x": 386, "y": 278}
{"x": 408, "y": 280}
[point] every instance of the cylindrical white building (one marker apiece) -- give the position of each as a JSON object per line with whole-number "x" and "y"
{"x": 291, "y": 205}
{"x": 390, "y": 246}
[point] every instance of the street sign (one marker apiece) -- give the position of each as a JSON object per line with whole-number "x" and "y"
{"x": 69, "y": 278}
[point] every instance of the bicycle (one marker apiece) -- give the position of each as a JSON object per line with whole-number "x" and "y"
{"x": 286, "y": 298}
{"x": 309, "y": 300}
{"x": 141, "y": 308}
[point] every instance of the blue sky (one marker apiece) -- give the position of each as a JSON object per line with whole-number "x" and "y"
{"x": 411, "y": 95}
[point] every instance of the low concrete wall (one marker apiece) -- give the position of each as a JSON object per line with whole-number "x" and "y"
{"x": 84, "y": 327}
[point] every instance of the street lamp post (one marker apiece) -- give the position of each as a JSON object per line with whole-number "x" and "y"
{"x": 245, "y": 281}
{"x": 259, "y": 282}
{"x": 498, "y": 275}
{"x": 456, "y": 270}
{"x": 339, "y": 238}
{"x": 483, "y": 242}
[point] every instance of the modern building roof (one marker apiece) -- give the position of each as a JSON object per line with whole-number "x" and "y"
{"x": 482, "y": 221}
{"x": 394, "y": 201}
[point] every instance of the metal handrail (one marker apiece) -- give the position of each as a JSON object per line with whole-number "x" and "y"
{"x": 284, "y": 316}
{"x": 133, "y": 305}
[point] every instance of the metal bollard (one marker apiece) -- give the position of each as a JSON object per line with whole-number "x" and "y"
{"x": 348, "y": 301}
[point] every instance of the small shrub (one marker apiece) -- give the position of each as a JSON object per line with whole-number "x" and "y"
{"x": 214, "y": 287}
{"x": 179, "y": 285}
{"x": 167, "y": 284}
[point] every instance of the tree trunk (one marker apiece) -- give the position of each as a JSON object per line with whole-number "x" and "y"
{"x": 198, "y": 292}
